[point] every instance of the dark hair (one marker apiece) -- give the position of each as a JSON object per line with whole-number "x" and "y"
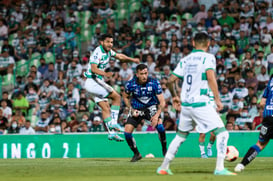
{"x": 141, "y": 67}
{"x": 104, "y": 36}
{"x": 201, "y": 38}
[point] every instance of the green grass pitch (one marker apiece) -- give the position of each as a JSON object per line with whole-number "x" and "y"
{"x": 120, "y": 169}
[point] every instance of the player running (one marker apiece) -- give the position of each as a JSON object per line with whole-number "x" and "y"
{"x": 101, "y": 91}
{"x": 143, "y": 95}
{"x": 198, "y": 71}
{"x": 266, "y": 132}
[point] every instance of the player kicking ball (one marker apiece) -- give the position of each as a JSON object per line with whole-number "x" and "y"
{"x": 266, "y": 132}
{"x": 143, "y": 96}
{"x": 100, "y": 90}
{"x": 198, "y": 71}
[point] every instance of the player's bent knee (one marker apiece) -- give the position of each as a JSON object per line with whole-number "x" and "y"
{"x": 220, "y": 130}
{"x": 129, "y": 128}
{"x": 114, "y": 95}
{"x": 182, "y": 134}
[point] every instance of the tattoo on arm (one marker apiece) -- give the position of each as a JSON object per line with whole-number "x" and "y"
{"x": 170, "y": 85}
{"x": 172, "y": 90}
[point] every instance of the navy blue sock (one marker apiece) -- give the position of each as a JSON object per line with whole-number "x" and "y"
{"x": 162, "y": 137}
{"x": 251, "y": 154}
{"x": 131, "y": 142}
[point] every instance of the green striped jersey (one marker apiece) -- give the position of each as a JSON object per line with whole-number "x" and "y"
{"x": 101, "y": 58}
{"x": 193, "y": 68}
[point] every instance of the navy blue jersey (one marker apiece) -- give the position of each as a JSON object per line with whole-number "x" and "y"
{"x": 268, "y": 94}
{"x": 143, "y": 96}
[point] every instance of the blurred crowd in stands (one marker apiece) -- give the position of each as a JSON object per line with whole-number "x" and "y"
{"x": 54, "y": 39}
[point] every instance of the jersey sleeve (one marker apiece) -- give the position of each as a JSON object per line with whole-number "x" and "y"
{"x": 210, "y": 63}
{"x": 178, "y": 71}
{"x": 157, "y": 87}
{"x": 94, "y": 58}
{"x": 267, "y": 90}
{"x": 113, "y": 53}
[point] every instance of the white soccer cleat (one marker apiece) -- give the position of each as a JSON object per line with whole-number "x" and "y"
{"x": 239, "y": 167}
{"x": 209, "y": 152}
{"x": 116, "y": 127}
{"x": 204, "y": 155}
{"x": 116, "y": 137}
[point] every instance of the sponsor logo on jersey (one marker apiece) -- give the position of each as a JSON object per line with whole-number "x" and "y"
{"x": 144, "y": 100}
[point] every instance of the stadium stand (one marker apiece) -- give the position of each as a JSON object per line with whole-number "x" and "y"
{"x": 40, "y": 32}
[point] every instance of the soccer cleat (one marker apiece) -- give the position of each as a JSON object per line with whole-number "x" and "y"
{"x": 161, "y": 171}
{"x": 209, "y": 152}
{"x": 115, "y": 137}
{"x": 204, "y": 155}
{"x": 239, "y": 167}
{"x": 136, "y": 157}
{"x": 115, "y": 127}
{"x": 223, "y": 172}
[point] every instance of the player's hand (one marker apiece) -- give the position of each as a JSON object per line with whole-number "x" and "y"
{"x": 109, "y": 74}
{"x": 177, "y": 103}
{"x": 219, "y": 105}
{"x": 154, "y": 120}
{"x": 136, "y": 60}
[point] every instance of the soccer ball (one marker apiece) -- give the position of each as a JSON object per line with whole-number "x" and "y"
{"x": 150, "y": 155}
{"x": 232, "y": 154}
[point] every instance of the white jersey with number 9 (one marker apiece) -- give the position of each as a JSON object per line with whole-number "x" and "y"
{"x": 192, "y": 68}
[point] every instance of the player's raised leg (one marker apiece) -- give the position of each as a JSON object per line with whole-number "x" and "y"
{"x": 128, "y": 133}
{"x": 107, "y": 118}
{"x": 162, "y": 136}
{"x": 251, "y": 154}
{"x": 113, "y": 125}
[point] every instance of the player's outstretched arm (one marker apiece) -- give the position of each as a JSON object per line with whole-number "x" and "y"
{"x": 214, "y": 88}
{"x": 125, "y": 58}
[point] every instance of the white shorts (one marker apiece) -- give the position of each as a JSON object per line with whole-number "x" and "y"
{"x": 98, "y": 89}
{"x": 204, "y": 118}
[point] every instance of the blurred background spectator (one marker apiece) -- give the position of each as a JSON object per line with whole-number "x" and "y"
{"x": 45, "y": 49}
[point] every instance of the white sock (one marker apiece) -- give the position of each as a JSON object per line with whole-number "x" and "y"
{"x": 114, "y": 114}
{"x": 221, "y": 144}
{"x": 209, "y": 145}
{"x": 172, "y": 150}
{"x": 108, "y": 121}
{"x": 202, "y": 147}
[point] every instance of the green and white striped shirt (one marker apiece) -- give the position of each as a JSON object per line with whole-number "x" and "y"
{"x": 101, "y": 58}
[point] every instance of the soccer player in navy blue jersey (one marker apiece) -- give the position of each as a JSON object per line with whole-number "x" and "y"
{"x": 143, "y": 95}
{"x": 266, "y": 132}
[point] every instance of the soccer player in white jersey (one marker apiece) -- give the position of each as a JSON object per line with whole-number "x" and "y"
{"x": 198, "y": 71}
{"x": 99, "y": 89}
